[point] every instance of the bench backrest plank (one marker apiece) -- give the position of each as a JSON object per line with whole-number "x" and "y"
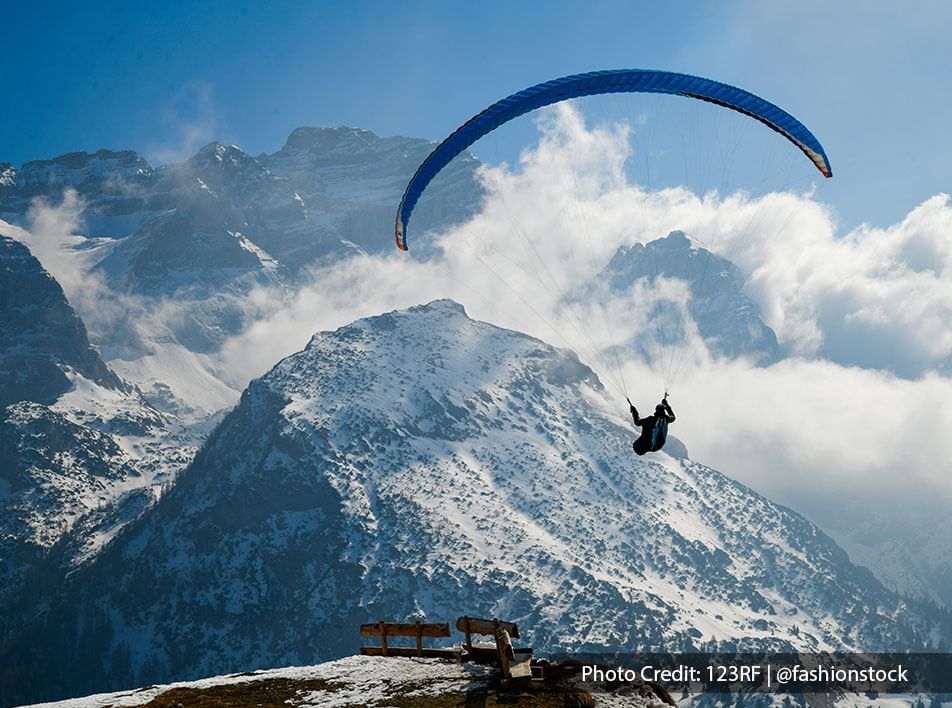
{"x": 405, "y": 629}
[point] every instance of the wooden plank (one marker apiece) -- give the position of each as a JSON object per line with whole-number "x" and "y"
{"x": 465, "y": 628}
{"x": 427, "y": 652}
{"x": 485, "y": 626}
{"x": 504, "y": 647}
{"x": 370, "y": 630}
{"x": 504, "y": 644}
{"x": 395, "y": 629}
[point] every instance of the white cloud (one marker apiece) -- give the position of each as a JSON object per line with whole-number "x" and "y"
{"x": 53, "y": 235}
{"x": 879, "y": 298}
{"x": 812, "y": 433}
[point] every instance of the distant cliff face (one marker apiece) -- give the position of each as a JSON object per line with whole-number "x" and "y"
{"x": 114, "y": 187}
{"x": 727, "y": 319}
{"x": 422, "y": 464}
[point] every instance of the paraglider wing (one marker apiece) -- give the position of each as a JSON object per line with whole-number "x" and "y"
{"x": 597, "y": 82}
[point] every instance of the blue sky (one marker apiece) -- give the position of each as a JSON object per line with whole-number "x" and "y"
{"x": 870, "y": 79}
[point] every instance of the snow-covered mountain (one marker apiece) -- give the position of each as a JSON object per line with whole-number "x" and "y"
{"x": 81, "y": 453}
{"x": 399, "y": 472}
{"x": 727, "y": 319}
{"x": 422, "y": 464}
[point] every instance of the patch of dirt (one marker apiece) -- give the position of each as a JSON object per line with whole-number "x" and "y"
{"x": 264, "y": 693}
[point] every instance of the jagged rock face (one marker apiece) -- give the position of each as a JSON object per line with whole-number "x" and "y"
{"x": 266, "y": 206}
{"x": 728, "y": 320}
{"x": 72, "y": 474}
{"x": 227, "y": 212}
{"x": 420, "y": 464}
{"x": 81, "y": 170}
{"x": 197, "y": 245}
{"x": 40, "y": 335}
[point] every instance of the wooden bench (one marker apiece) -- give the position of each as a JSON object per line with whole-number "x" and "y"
{"x": 513, "y": 663}
{"x": 383, "y": 630}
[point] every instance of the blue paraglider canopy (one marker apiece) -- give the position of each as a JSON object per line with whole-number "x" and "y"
{"x": 599, "y": 82}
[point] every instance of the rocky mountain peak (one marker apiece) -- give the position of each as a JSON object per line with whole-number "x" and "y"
{"x": 684, "y": 257}
{"x": 676, "y": 240}
{"x": 221, "y": 153}
{"x": 443, "y": 306}
{"x": 231, "y": 171}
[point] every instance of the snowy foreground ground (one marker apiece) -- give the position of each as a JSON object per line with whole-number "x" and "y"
{"x": 393, "y": 681}
{"x": 354, "y": 681}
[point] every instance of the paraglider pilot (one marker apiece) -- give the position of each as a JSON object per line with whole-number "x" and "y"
{"x": 654, "y": 428}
